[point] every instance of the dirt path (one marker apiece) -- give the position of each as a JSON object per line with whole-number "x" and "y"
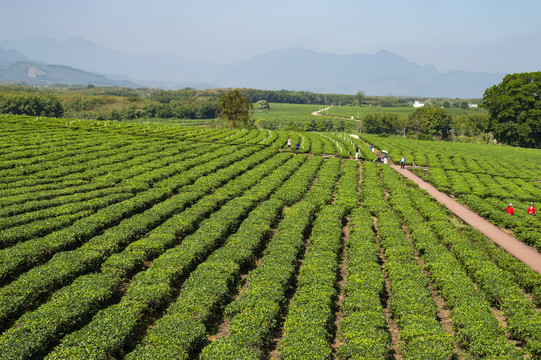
{"x": 319, "y": 112}
{"x": 513, "y": 246}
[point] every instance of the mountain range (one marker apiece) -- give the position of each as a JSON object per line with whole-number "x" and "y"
{"x": 44, "y": 60}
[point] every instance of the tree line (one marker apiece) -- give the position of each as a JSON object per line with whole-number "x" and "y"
{"x": 31, "y": 104}
{"x": 427, "y": 123}
{"x": 116, "y": 103}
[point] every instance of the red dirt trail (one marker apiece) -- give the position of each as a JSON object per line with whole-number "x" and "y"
{"x": 518, "y": 249}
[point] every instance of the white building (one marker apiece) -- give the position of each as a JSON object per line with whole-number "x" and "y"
{"x": 417, "y": 104}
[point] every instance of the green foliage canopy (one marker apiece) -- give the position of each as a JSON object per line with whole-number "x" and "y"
{"x": 235, "y": 108}
{"x": 30, "y": 104}
{"x": 380, "y": 123}
{"x": 514, "y": 108}
{"x": 432, "y": 121}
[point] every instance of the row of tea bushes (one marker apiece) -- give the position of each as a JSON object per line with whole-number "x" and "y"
{"x": 39, "y": 209}
{"x": 41, "y": 223}
{"x": 207, "y": 289}
{"x": 255, "y": 313}
{"x": 421, "y": 333}
{"x": 347, "y": 191}
{"x": 363, "y": 328}
{"x": 68, "y": 307}
{"x": 307, "y": 329}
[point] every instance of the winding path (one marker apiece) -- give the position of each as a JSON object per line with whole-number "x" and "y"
{"x": 518, "y": 249}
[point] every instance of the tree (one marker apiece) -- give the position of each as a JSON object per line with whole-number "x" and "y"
{"x": 432, "y": 121}
{"x": 514, "y": 108}
{"x": 379, "y": 123}
{"x": 471, "y": 124}
{"x": 235, "y": 108}
{"x": 359, "y": 97}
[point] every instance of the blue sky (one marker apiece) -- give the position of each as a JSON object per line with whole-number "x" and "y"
{"x": 473, "y": 35}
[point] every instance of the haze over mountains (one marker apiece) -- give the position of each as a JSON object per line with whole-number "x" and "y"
{"x": 37, "y": 60}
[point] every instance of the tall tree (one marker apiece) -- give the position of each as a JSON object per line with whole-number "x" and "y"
{"x": 514, "y": 108}
{"x": 235, "y": 108}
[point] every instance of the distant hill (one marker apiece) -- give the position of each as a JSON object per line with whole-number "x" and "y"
{"x": 382, "y": 73}
{"x": 8, "y": 56}
{"x": 34, "y": 73}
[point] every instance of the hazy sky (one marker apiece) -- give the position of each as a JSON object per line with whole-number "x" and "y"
{"x": 473, "y": 35}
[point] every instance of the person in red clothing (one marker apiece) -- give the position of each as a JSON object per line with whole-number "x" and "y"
{"x": 510, "y": 210}
{"x": 531, "y": 209}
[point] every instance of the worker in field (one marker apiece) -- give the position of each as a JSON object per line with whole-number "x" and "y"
{"x": 531, "y": 209}
{"x": 510, "y": 210}
{"x": 402, "y": 162}
{"x": 289, "y": 143}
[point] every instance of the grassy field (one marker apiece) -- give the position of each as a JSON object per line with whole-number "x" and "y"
{"x": 358, "y": 112}
{"x": 283, "y": 114}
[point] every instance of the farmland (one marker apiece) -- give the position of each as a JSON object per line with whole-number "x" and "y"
{"x": 358, "y": 112}
{"x": 155, "y": 241}
{"x": 280, "y": 116}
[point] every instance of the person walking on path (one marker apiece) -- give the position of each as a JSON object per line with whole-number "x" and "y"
{"x": 403, "y": 162}
{"x": 510, "y": 210}
{"x": 531, "y": 209}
